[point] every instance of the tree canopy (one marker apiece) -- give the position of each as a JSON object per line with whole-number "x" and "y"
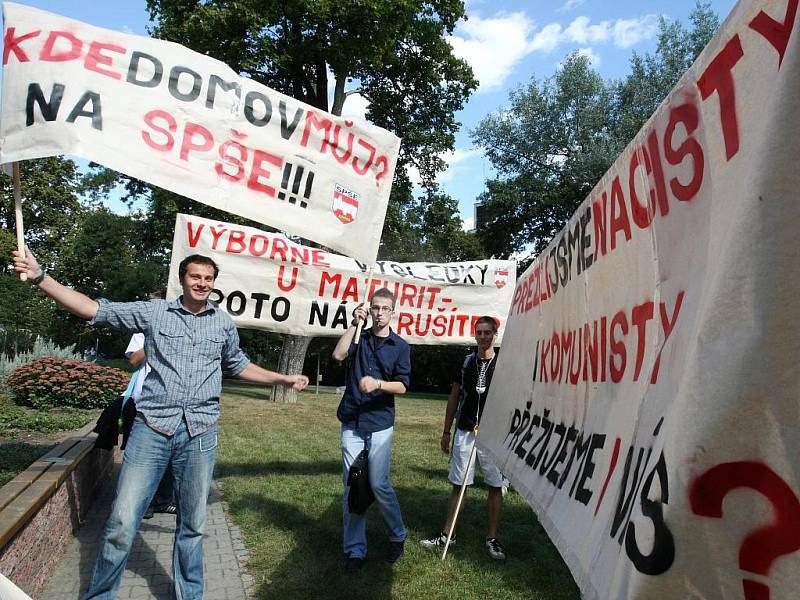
{"x": 560, "y": 134}
{"x": 394, "y": 54}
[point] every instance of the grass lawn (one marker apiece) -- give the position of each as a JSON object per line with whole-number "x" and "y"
{"x": 26, "y": 433}
{"x": 280, "y": 469}
{"x": 15, "y": 457}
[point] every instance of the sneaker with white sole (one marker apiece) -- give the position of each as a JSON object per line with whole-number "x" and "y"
{"x": 495, "y": 549}
{"x": 438, "y": 540}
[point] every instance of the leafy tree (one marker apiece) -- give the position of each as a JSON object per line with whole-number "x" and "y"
{"x": 436, "y": 234}
{"x": 50, "y": 190}
{"x": 549, "y": 147}
{"x": 653, "y": 76}
{"x": 395, "y": 54}
{"x": 104, "y": 257}
{"x": 561, "y": 134}
{"x": 24, "y": 314}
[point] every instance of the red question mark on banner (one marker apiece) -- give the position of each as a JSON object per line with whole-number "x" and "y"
{"x": 382, "y": 160}
{"x": 764, "y": 545}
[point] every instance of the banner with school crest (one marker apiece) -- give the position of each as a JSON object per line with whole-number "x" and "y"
{"x": 187, "y": 123}
{"x": 267, "y": 281}
{"x": 647, "y": 399}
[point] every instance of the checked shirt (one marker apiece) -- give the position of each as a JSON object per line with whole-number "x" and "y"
{"x": 187, "y": 354}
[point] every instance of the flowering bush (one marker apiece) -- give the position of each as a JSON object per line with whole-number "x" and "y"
{"x": 59, "y": 382}
{"x": 41, "y": 347}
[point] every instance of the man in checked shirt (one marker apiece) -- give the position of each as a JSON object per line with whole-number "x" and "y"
{"x": 189, "y": 342}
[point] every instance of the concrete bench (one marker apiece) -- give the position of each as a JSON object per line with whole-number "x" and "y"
{"x": 42, "y": 506}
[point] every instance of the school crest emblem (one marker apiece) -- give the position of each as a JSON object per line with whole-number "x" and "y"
{"x": 345, "y": 204}
{"x": 500, "y": 276}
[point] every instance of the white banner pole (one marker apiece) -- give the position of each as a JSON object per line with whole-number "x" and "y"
{"x": 460, "y": 498}
{"x": 366, "y": 293}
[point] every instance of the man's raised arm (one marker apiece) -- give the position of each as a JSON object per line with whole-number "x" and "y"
{"x": 78, "y": 304}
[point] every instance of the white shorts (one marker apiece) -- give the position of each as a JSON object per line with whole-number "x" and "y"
{"x": 463, "y": 443}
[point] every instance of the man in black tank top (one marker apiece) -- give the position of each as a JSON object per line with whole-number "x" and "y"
{"x": 472, "y": 384}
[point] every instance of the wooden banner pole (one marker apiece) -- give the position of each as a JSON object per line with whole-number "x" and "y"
{"x": 18, "y": 215}
{"x": 366, "y": 300}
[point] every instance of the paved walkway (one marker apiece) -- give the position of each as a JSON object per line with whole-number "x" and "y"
{"x": 148, "y": 574}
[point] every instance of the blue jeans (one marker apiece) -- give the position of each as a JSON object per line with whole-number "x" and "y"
{"x": 146, "y": 457}
{"x": 380, "y": 454}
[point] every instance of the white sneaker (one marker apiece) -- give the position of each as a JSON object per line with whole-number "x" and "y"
{"x": 437, "y": 540}
{"x": 495, "y": 549}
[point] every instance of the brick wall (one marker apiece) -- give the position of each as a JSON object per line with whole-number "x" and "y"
{"x": 29, "y": 558}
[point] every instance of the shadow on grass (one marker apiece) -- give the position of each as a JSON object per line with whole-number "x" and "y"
{"x": 437, "y": 474}
{"x": 247, "y": 390}
{"x": 15, "y": 457}
{"x": 313, "y": 564}
{"x": 533, "y": 567}
{"x": 277, "y": 467}
{"x": 314, "y": 567}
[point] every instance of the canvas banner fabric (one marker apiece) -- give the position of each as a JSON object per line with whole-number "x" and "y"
{"x": 647, "y": 401}
{"x": 269, "y": 282}
{"x": 187, "y": 123}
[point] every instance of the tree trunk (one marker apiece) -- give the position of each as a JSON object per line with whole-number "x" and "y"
{"x": 293, "y": 355}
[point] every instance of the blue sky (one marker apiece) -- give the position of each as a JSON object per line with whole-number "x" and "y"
{"x": 505, "y": 41}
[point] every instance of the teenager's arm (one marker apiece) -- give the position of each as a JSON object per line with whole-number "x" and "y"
{"x": 343, "y": 345}
{"x": 369, "y": 384}
{"x": 449, "y": 416}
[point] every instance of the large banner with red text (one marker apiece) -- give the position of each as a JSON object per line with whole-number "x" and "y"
{"x": 269, "y": 282}
{"x": 647, "y": 401}
{"x": 185, "y": 122}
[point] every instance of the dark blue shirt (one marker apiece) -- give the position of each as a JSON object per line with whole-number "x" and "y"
{"x": 387, "y": 359}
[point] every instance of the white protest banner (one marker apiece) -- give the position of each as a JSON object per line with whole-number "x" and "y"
{"x": 269, "y": 282}
{"x": 185, "y": 122}
{"x": 647, "y": 401}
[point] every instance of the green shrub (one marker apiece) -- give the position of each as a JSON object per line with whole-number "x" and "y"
{"x": 21, "y": 419}
{"x": 50, "y": 382}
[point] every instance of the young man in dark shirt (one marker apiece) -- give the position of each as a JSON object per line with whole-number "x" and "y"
{"x": 379, "y": 368}
{"x": 474, "y": 377}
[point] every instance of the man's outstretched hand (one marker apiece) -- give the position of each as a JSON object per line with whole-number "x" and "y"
{"x": 26, "y": 263}
{"x": 297, "y": 382}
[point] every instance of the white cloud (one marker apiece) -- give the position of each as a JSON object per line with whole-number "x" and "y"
{"x": 623, "y": 33}
{"x": 493, "y": 46}
{"x": 571, "y": 5}
{"x": 547, "y": 39}
{"x": 594, "y": 59}
{"x": 629, "y": 32}
{"x": 581, "y": 32}
{"x": 414, "y": 176}
{"x": 454, "y": 160}
{"x": 468, "y": 224}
